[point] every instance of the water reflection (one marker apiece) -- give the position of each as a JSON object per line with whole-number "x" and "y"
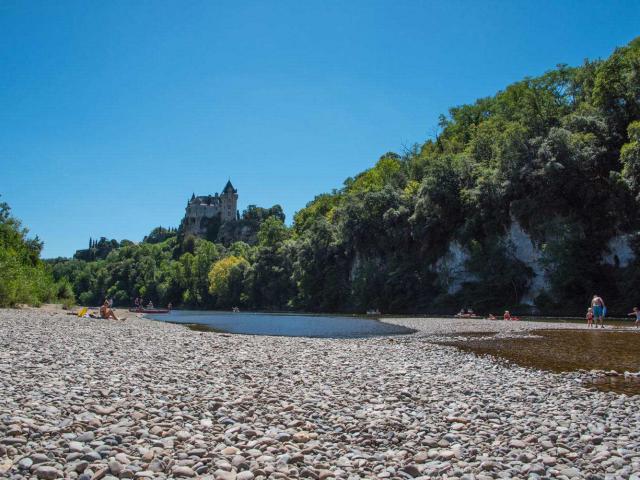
{"x": 566, "y": 350}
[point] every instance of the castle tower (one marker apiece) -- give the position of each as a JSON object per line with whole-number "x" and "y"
{"x": 229, "y": 202}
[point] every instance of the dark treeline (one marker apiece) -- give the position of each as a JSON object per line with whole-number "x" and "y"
{"x": 558, "y": 155}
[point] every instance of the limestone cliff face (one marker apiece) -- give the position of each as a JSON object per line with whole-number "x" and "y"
{"x": 451, "y": 268}
{"x": 523, "y": 248}
{"x": 620, "y": 253}
{"x": 453, "y": 272}
{"x": 238, "y": 231}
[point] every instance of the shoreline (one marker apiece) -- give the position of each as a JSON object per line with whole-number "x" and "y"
{"x": 85, "y": 398}
{"x": 381, "y": 317}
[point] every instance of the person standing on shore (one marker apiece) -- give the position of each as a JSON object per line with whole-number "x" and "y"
{"x": 598, "y": 309}
{"x": 590, "y": 317}
{"x": 636, "y": 313}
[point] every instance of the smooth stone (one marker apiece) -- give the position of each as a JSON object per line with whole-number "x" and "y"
{"x": 421, "y": 457}
{"x": 224, "y": 475}
{"x": 300, "y": 437}
{"x": 446, "y": 454}
{"x": 85, "y": 437}
{"x": 230, "y": 451}
{"x": 182, "y": 471}
{"x": 411, "y": 470}
{"x": 570, "y": 472}
{"x": 515, "y": 443}
{"x": 48, "y": 473}
{"x": 39, "y": 458}
{"x": 155, "y": 466}
{"x": 115, "y": 467}
{"x": 76, "y": 446}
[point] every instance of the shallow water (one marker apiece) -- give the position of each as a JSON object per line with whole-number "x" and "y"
{"x": 608, "y": 322}
{"x": 566, "y": 350}
{"x": 321, "y": 326}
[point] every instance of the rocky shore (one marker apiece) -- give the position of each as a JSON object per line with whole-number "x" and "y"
{"x": 97, "y": 399}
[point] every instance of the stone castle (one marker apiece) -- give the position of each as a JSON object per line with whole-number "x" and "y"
{"x": 202, "y": 210}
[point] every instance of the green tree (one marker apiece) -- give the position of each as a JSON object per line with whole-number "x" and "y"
{"x": 226, "y": 279}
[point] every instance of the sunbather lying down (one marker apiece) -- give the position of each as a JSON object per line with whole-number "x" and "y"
{"x": 106, "y": 312}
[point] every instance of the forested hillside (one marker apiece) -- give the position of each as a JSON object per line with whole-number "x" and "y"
{"x": 525, "y": 200}
{"x": 24, "y": 278}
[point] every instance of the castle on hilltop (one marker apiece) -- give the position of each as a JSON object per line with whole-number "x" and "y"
{"x": 204, "y": 210}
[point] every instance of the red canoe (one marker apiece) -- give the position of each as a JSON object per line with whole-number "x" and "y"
{"x": 147, "y": 310}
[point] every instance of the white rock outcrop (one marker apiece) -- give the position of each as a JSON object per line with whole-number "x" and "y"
{"x": 619, "y": 252}
{"x": 522, "y": 247}
{"x": 451, "y": 268}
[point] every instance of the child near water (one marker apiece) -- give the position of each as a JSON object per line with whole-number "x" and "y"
{"x": 636, "y": 312}
{"x": 590, "y": 317}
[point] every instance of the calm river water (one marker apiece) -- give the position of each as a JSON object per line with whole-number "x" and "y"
{"x": 290, "y": 325}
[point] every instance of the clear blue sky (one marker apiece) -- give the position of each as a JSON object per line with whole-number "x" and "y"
{"x": 113, "y": 113}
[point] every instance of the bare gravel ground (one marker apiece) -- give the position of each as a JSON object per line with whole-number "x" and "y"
{"x": 97, "y": 399}
{"x": 446, "y": 326}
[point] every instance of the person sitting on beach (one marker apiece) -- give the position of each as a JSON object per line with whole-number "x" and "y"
{"x": 590, "y": 317}
{"x": 598, "y": 309}
{"x": 636, "y": 312}
{"x": 150, "y": 304}
{"x": 507, "y": 315}
{"x": 106, "y": 312}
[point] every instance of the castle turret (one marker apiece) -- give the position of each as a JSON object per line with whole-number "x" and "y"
{"x": 228, "y": 188}
{"x": 229, "y": 199}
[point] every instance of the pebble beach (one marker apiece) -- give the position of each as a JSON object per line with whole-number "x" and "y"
{"x": 99, "y": 399}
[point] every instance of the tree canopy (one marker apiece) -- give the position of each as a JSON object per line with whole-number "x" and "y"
{"x": 24, "y": 278}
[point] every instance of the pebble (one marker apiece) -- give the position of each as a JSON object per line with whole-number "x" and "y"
{"x": 181, "y": 471}
{"x": 48, "y": 473}
{"x": 76, "y": 405}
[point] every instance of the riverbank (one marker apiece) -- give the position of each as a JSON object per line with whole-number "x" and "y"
{"x": 85, "y": 398}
